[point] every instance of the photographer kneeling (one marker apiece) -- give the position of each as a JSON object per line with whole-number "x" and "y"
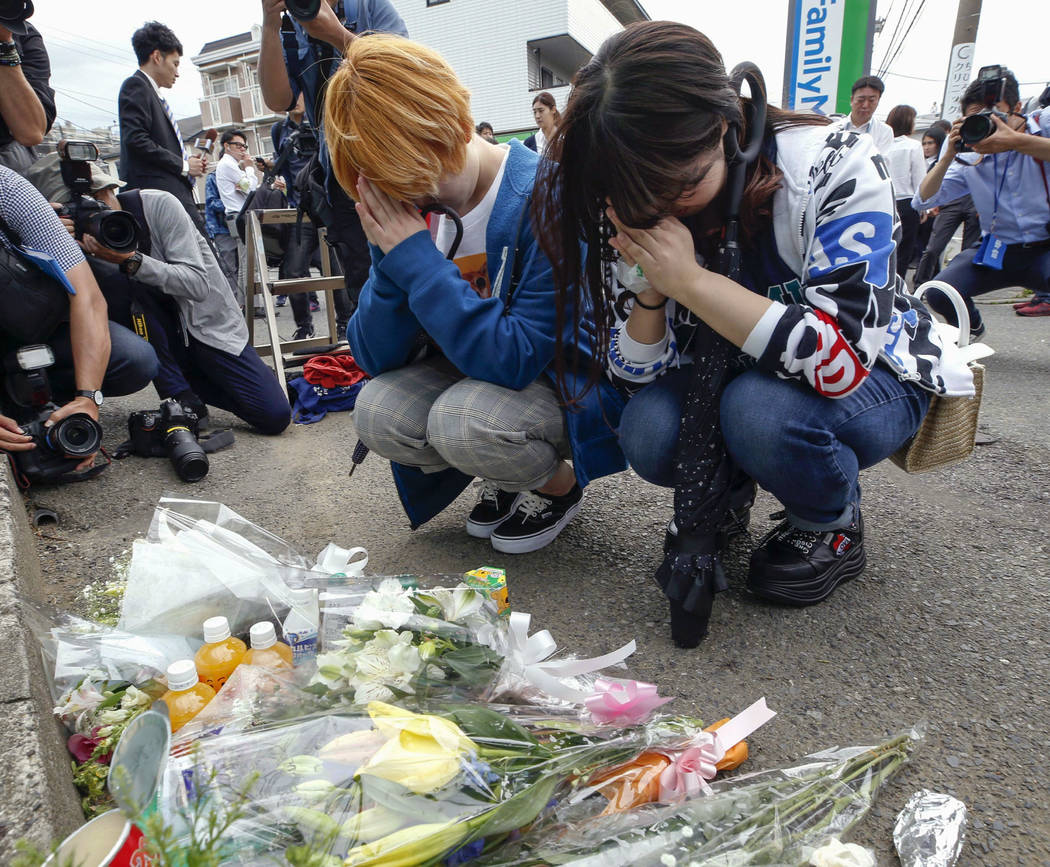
{"x": 192, "y": 320}
{"x": 91, "y": 355}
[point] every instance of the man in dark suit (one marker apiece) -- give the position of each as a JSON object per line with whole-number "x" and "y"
{"x": 152, "y": 156}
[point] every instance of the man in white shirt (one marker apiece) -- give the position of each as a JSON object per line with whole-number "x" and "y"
{"x": 864, "y": 99}
{"x": 235, "y": 174}
{"x": 235, "y": 178}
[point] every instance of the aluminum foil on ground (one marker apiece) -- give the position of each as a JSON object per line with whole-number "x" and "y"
{"x": 929, "y": 830}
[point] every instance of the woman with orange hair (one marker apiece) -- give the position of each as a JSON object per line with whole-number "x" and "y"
{"x": 461, "y": 349}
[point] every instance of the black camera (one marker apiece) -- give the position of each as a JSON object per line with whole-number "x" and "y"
{"x": 16, "y": 10}
{"x": 60, "y": 447}
{"x": 117, "y": 230}
{"x": 170, "y": 432}
{"x": 304, "y": 140}
{"x": 977, "y": 127}
{"x": 303, "y": 10}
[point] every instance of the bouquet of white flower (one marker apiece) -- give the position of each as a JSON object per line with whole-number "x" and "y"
{"x": 409, "y": 644}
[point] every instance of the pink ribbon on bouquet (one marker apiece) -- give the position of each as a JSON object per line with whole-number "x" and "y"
{"x": 628, "y": 702}
{"x": 691, "y": 768}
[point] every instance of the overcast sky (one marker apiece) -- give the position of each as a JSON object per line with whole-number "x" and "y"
{"x": 90, "y": 45}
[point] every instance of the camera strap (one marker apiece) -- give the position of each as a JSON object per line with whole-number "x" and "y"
{"x": 997, "y": 188}
{"x": 131, "y": 201}
{"x": 24, "y": 483}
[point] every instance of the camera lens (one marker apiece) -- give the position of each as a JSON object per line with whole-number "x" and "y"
{"x": 77, "y": 435}
{"x": 303, "y": 10}
{"x": 188, "y": 458}
{"x": 117, "y": 230}
{"x": 975, "y": 128}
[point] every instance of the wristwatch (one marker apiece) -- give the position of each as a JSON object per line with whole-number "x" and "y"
{"x": 95, "y": 395}
{"x": 130, "y": 266}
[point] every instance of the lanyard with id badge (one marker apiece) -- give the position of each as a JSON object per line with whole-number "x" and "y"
{"x": 993, "y": 250}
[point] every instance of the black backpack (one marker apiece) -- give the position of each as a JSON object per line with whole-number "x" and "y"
{"x": 32, "y": 304}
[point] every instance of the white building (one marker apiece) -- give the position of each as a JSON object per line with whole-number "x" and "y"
{"x": 232, "y": 97}
{"x": 507, "y": 51}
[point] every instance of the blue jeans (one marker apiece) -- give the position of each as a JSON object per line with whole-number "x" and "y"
{"x": 132, "y": 363}
{"x": 805, "y": 449}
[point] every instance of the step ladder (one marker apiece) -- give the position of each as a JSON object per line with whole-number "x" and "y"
{"x": 287, "y": 353}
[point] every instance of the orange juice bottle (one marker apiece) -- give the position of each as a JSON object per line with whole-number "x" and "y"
{"x": 266, "y": 650}
{"x": 221, "y": 653}
{"x": 186, "y": 696}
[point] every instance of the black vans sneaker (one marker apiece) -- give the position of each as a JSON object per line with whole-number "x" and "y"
{"x": 803, "y": 567}
{"x": 494, "y": 506}
{"x": 538, "y": 520}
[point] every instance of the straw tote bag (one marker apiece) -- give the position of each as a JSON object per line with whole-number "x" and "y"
{"x": 949, "y": 430}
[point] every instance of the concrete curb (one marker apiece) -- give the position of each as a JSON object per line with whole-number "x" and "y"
{"x": 39, "y": 801}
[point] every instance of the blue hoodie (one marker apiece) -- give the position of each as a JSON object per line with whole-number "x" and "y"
{"x": 508, "y": 339}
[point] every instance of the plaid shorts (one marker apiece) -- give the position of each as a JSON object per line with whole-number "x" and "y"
{"x": 429, "y": 415}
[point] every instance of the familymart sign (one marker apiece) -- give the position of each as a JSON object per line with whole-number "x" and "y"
{"x": 828, "y": 48}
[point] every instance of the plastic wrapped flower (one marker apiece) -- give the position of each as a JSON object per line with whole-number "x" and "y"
{"x": 388, "y": 656}
{"x": 388, "y": 607}
{"x": 135, "y": 698}
{"x": 416, "y": 844}
{"x": 457, "y": 604}
{"x": 334, "y": 670}
{"x": 422, "y": 752}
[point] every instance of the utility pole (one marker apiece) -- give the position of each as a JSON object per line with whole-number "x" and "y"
{"x": 960, "y": 66}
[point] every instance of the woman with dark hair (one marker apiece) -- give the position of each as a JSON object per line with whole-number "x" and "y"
{"x": 932, "y": 140}
{"x": 545, "y": 113}
{"x": 907, "y": 169}
{"x": 809, "y": 367}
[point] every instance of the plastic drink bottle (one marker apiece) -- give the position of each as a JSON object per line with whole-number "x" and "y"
{"x": 301, "y": 625}
{"x": 266, "y": 650}
{"x": 221, "y": 653}
{"x": 186, "y": 696}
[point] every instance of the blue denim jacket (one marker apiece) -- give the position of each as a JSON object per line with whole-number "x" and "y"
{"x": 214, "y": 210}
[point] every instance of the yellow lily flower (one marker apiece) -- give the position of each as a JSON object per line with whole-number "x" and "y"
{"x": 373, "y": 824}
{"x": 422, "y": 753}
{"x": 414, "y": 845}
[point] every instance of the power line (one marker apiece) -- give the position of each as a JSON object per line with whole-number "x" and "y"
{"x": 89, "y": 52}
{"x": 911, "y": 24}
{"x": 68, "y": 95}
{"x": 893, "y": 36}
{"x": 106, "y": 47}
{"x": 913, "y": 77}
{"x": 82, "y": 93}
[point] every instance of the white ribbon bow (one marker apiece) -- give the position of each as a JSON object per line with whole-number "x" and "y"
{"x": 527, "y": 655}
{"x": 335, "y": 560}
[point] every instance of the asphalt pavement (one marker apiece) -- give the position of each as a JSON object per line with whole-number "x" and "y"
{"x": 945, "y": 629}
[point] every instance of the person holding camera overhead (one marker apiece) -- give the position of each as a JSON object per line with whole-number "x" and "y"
{"x": 192, "y": 320}
{"x": 92, "y": 355}
{"x": 298, "y": 53}
{"x": 295, "y": 136}
{"x": 1007, "y": 175}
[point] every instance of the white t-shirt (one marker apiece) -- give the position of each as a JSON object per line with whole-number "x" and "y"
{"x": 234, "y": 184}
{"x": 881, "y": 132}
{"x": 907, "y": 166}
{"x": 471, "y": 257}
